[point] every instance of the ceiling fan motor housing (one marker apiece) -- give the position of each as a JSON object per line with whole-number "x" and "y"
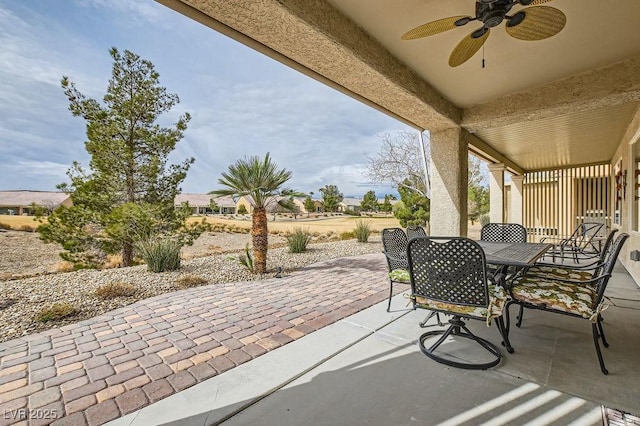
{"x": 492, "y": 12}
{"x": 493, "y": 18}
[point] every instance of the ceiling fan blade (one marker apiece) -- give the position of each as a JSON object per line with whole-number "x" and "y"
{"x": 467, "y": 47}
{"x": 434, "y": 27}
{"x": 539, "y": 22}
{"x": 533, "y": 2}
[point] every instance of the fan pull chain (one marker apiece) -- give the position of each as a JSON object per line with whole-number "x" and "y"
{"x": 483, "y": 56}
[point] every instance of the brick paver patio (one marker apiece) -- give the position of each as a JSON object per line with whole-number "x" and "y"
{"x": 97, "y": 370}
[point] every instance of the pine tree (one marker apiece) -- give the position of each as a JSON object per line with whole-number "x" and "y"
{"x": 331, "y": 197}
{"x": 128, "y": 192}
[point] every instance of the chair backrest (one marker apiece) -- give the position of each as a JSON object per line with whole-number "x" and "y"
{"x": 609, "y": 265}
{"x": 448, "y": 269}
{"x": 606, "y": 248}
{"x": 586, "y": 232}
{"x": 394, "y": 243}
{"x": 415, "y": 231}
{"x": 503, "y": 233}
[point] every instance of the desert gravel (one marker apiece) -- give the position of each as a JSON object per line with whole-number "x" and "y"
{"x": 21, "y": 299}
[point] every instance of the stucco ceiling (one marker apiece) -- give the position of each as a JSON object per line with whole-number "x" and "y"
{"x": 565, "y": 100}
{"x": 596, "y": 34}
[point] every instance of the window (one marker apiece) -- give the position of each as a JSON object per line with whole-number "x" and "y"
{"x": 634, "y": 185}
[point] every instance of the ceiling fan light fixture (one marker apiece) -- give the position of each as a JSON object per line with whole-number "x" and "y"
{"x": 516, "y": 19}
{"x": 479, "y": 32}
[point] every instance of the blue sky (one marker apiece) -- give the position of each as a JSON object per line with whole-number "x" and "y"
{"x": 241, "y": 102}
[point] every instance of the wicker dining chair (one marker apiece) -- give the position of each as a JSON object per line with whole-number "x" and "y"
{"x": 581, "y": 299}
{"x": 503, "y": 233}
{"x": 394, "y": 243}
{"x": 575, "y": 272}
{"x": 579, "y": 245}
{"x": 415, "y": 231}
{"x": 448, "y": 275}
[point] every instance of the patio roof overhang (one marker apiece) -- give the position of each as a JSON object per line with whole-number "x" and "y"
{"x": 567, "y": 100}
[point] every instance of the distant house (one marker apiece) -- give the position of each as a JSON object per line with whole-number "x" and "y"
{"x": 350, "y": 204}
{"x": 21, "y": 202}
{"x": 226, "y": 203}
{"x": 319, "y": 206}
{"x": 201, "y": 203}
{"x": 247, "y": 202}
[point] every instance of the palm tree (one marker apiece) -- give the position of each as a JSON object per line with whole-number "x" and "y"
{"x": 260, "y": 181}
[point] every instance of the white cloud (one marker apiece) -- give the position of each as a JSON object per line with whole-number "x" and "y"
{"x": 129, "y": 9}
{"x": 241, "y": 102}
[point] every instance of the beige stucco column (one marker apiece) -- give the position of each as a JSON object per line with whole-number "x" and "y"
{"x": 516, "y": 211}
{"x": 496, "y": 192}
{"x": 449, "y": 171}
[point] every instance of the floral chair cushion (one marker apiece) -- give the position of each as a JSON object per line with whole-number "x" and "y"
{"x": 571, "y": 298}
{"x": 497, "y": 300}
{"x": 554, "y": 272}
{"x": 400, "y": 276}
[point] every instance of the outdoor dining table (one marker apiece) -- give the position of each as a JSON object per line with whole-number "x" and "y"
{"x": 519, "y": 255}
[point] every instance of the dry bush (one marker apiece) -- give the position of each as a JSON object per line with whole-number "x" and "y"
{"x": 27, "y": 228}
{"x": 63, "y": 266}
{"x": 4, "y": 226}
{"x": 117, "y": 289}
{"x": 188, "y": 281}
{"x": 113, "y": 261}
{"x": 57, "y": 311}
{"x": 349, "y": 235}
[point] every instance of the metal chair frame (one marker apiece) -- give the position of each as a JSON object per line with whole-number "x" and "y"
{"x": 415, "y": 231}
{"x": 453, "y": 270}
{"x": 580, "y": 244}
{"x": 504, "y": 233}
{"x": 600, "y": 284}
{"x": 394, "y": 243}
{"x": 595, "y": 268}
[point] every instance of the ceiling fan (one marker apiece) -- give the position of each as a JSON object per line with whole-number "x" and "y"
{"x": 531, "y": 23}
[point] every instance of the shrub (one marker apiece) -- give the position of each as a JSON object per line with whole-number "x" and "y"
{"x": 113, "y": 261}
{"x": 347, "y": 235}
{"x": 117, "y": 289}
{"x": 246, "y": 259}
{"x": 161, "y": 254}
{"x": 362, "y": 231}
{"x": 188, "y": 281}
{"x": 242, "y": 209}
{"x": 298, "y": 240}
{"x": 56, "y": 311}
{"x": 64, "y": 266}
{"x": 27, "y": 228}
{"x": 4, "y": 226}
{"x": 484, "y": 219}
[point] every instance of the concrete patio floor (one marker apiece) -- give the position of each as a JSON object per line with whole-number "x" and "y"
{"x": 368, "y": 369}
{"x": 315, "y": 347}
